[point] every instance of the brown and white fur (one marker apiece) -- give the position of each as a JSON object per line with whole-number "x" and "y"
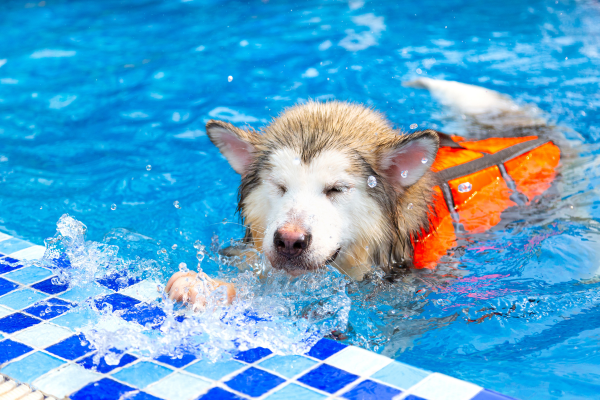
{"x": 304, "y": 194}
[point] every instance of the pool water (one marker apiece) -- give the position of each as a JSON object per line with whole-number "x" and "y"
{"x": 103, "y": 106}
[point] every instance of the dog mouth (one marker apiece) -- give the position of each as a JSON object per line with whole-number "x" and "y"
{"x": 299, "y": 266}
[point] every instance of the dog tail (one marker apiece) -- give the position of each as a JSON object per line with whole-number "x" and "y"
{"x": 480, "y": 106}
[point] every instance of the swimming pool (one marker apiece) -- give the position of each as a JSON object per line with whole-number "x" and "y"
{"x": 104, "y": 103}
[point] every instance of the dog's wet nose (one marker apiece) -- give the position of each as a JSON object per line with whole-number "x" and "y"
{"x": 291, "y": 242}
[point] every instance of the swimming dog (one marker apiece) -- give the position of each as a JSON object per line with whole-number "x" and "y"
{"x": 335, "y": 184}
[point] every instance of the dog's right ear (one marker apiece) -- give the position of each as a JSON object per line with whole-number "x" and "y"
{"x": 235, "y": 144}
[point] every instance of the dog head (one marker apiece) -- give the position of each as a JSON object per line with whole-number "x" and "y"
{"x": 330, "y": 183}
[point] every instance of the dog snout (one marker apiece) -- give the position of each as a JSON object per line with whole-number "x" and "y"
{"x": 291, "y": 242}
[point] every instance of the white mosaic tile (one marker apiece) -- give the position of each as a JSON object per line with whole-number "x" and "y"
{"x": 443, "y": 387}
{"x": 42, "y": 335}
{"x": 4, "y": 311}
{"x": 179, "y": 386}
{"x": 358, "y": 361}
{"x": 145, "y": 290}
{"x": 31, "y": 253}
{"x": 64, "y": 381}
{"x": 4, "y": 236}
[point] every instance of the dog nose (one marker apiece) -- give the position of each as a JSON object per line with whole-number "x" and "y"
{"x": 291, "y": 243}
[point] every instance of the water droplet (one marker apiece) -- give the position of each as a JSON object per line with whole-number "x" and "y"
{"x": 367, "y": 248}
{"x": 174, "y": 247}
{"x": 224, "y": 221}
{"x": 40, "y": 208}
{"x": 296, "y": 161}
{"x": 183, "y": 267}
{"x": 229, "y": 78}
{"x": 465, "y": 187}
{"x": 371, "y": 181}
{"x": 404, "y": 173}
{"x": 163, "y": 251}
{"x": 424, "y": 160}
{"x": 419, "y": 71}
{"x": 113, "y": 207}
{"x": 413, "y": 126}
{"x": 410, "y": 206}
{"x": 176, "y": 204}
{"x": 148, "y": 167}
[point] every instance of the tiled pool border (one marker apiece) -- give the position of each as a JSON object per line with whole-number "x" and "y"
{"x": 41, "y": 346}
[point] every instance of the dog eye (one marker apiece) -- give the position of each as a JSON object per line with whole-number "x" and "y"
{"x": 282, "y": 189}
{"x": 332, "y": 191}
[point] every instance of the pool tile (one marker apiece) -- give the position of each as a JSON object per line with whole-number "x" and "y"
{"x": 252, "y": 355}
{"x": 371, "y": 390}
{"x": 118, "y": 280}
{"x": 146, "y": 291}
{"x": 293, "y": 391}
{"x": 71, "y": 348}
{"x": 217, "y": 393}
{"x": 288, "y": 366}
{"x": 79, "y": 293}
{"x": 76, "y": 318}
{"x": 179, "y": 386}
{"x": 327, "y": 378}
{"x": 28, "y": 275}
{"x": 487, "y": 394}
{"x": 50, "y": 308}
{"x": 4, "y": 311}
{"x": 48, "y": 286}
{"x": 358, "y": 361}
{"x": 109, "y": 389}
{"x": 177, "y": 362}
{"x": 401, "y": 375}
{"x": 42, "y": 335}
{"x": 9, "y": 349}
{"x": 254, "y": 382}
{"x": 22, "y": 298}
{"x": 8, "y": 264}
{"x": 64, "y": 381}
{"x": 4, "y": 236}
{"x": 145, "y": 314}
{"x": 413, "y": 397}
{"x": 31, "y": 367}
{"x": 16, "y": 322}
{"x": 117, "y": 301}
{"x": 216, "y": 370}
{"x": 325, "y": 348}
{"x": 102, "y": 366}
{"x": 7, "y": 286}
{"x": 142, "y": 374}
{"x": 443, "y": 387}
{"x": 13, "y": 245}
{"x": 31, "y": 253}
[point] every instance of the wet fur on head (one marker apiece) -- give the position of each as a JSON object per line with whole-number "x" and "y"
{"x": 367, "y": 145}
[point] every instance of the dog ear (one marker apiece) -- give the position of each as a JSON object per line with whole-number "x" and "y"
{"x": 235, "y": 144}
{"x": 409, "y": 159}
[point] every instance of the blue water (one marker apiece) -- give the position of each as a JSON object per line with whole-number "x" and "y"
{"x": 91, "y": 93}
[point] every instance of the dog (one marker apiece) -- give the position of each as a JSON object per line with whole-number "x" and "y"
{"x": 335, "y": 184}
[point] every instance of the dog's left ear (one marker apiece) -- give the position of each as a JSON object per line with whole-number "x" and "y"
{"x": 237, "y": 145}
{"x": 404, "y": 163}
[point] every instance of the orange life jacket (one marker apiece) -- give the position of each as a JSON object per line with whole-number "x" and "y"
{"x": 481, "y": 179}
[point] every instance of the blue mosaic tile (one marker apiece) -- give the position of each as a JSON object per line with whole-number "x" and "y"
{"x": 6, "y": 286}
{"x": 117, "y": 301}
{"x": 254, "y": 382}
{"x": 50, "y": 308}
{"x": 252, "y": 355}
{"x": 10, "y": 349}
{"x": 145, "y": 314}
{"x": 16, "y": 322}
{"x": 102, "y": 366}
{"x": 327, "y": 378}
{"x": 325, "y": 348}
{"x": 214, "y": 371}
{"x": 413, "y": 397}
{"x": 76, "y": 318}
{"x": 118, "y": 281}
{"x": 49, "y": 287}
{"x": 175, "y": 361}
{"x": 81, "y": 293}
{"x": 8, "y": 264}
{"x": 31, "y": 367}
{"x": 293, "y": 391}
{"x": 219, "y": 394}
{"x": 142, "y": 374}
{"x": 367, "y": 390}
{"x": 19, "y": 299}
{"x": 108, "y": 389}
{"x": 288, "y": 366}
{"x": 12, "y": 245}
{"x": 487, "y": 394}
{"x": 28, "y": 275}
{"x": 400, "y": 374}
{"x": 71, "y": 348}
